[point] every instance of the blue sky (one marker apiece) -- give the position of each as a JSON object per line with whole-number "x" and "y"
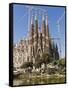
{"x": 20, "y": 22}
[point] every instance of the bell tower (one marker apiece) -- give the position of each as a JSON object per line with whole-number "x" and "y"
{"x": 31, "y": 40}
{"x": 35, "y": 34}
{"x": 43, "y": 33}
{"x": 47, "y": 39}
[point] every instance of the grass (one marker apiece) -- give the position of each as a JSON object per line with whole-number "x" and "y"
{"x": 32, "y": 79}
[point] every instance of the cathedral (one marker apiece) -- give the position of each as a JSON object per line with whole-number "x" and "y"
{"x": 38, "y": 42}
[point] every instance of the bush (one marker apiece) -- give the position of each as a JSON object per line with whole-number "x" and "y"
{"x": 27, "y": 64}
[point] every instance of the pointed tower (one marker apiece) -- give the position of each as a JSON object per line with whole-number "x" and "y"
{"x": 35, "y": 34}
{"x": 53, "y": 49}
{"x": 43, "y": 33}
{"x": 31, "y": 40}
{"x": 47, "y": 35}
{"x": 56, "y": 53}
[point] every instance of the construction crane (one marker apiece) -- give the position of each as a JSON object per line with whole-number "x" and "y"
{"x": 58, "y": 26}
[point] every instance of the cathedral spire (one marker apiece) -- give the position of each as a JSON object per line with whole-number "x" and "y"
{"x": 43, "y": 25}
{"x": 36, "y": 24}
{"x": 32, "y": 19}
{"x": 36, "y": 17}
{"x": 47, "y": 27}
{"x": 43, "y": 32}
{"x": 31, "y": 26}
{"x": 56, "y": 47}
{"x": 31, "y": 40}
{"x": 43, "y": 17}
{"x": 35, "y": 33}
{"x": 47, "y": 34}
{"x": 46, "y": 20}
{"x": 56, "y": 52}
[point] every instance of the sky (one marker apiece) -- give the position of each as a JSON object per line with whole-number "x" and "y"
{"x": 21, "y": 22}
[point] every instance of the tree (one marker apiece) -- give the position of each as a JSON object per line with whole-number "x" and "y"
{"x": 56, "y": 53}
{"x": 45, "y": 58}
{"x": 27, "y": 64}
{"x": 37, "y": 61}
{"x": 61, "y": 63}
{"x": 55, "y": 62}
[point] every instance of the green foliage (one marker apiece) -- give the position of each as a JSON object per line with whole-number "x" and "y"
{"x": 39, "y": 79}
{"x": 61, "y": 62}
{"x": 45, "y": 58}
{"x": 55, "y": 62}
{"x": 27, "y": 64}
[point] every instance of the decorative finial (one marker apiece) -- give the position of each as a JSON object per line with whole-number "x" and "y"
{"x": 35, "y": 15}
{"x": 43, "y": 17}
{"x": 32, "y": 19}
{"x": 46, "y": 20}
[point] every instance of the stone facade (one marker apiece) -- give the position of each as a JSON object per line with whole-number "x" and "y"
{"x": 38, "y": 42}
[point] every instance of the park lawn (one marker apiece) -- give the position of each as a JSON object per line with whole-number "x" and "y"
{"x": 32, "y": 79}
